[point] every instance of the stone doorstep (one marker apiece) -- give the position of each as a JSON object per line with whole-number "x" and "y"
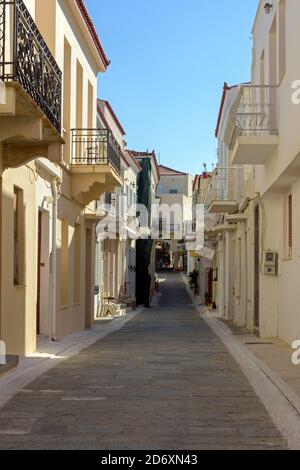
{"x": 12, "y": 363}
{"x": 236, "y": 329}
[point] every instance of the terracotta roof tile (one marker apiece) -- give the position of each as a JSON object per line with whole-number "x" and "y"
{"x": 166, "y": 171}
{"x": 90, "y": 25}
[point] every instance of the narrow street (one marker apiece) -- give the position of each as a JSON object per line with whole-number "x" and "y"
{"x": 164, "y": 381}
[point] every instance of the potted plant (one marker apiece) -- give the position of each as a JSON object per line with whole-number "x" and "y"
{"x": 207, "y": 298}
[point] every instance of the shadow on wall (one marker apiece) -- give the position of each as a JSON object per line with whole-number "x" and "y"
{"x": 14, "y": 282}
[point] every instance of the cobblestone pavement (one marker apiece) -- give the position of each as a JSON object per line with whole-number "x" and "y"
{"x": 164, "y": 381}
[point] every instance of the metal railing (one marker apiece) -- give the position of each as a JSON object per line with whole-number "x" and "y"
{"x": 25, "y": 58}
{"x": 114, "y": 204}
{"x": 95, "y": 147}
{"x": 256, "y": 111}
{"x": 227, "y": 184}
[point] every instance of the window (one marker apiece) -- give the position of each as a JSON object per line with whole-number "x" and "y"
{"x": 282, "y": 39}
{"x": 64, "y": 261}
{"x": 90, "y": 106}
{"x": 18, "y": 208}
{"x": 262, "y": 78}
{"x": 273, "y": 75}
{"x": 273, "y": 53}
{"x": 77, "y": 263}
{"x": 290, "y": 225}
{"x": 67, "y": 84}
{"x": 173, "y": 191}
{"x": 67, "y": 96}
{"x": 79, "y": 95}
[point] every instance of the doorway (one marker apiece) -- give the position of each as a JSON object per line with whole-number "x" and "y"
{"x": 43, "y": 273}
{"x": 88, "y": 279}
{"x": 245, "y": 306}
{"x": 256, "y": 266}
{"x": 132, "y": 271}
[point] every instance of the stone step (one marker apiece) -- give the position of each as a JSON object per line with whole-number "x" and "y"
{"x": 120, "y": 306}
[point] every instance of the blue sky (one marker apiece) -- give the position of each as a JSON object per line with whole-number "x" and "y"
{"x": 169, "y": 60}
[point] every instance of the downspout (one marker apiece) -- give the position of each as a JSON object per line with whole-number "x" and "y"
{"x": 54, "y": 191}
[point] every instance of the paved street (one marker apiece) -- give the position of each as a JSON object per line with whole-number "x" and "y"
{"x": 164, "y": 381}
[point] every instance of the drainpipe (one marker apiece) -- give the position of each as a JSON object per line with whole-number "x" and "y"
{"x": 53, "y": 260}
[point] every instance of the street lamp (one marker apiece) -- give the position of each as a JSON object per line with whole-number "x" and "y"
{"x": 268, "y": 7}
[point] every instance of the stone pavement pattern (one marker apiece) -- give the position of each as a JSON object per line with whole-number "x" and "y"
{"x": 164, "y": 381}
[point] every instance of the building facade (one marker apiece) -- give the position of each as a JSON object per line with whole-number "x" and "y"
{"x": 147, "y": 182}
{"x": 258, "y": 129}
{"x": 231, "y": 198}
{"x": 175, "y": 191}
{"x": 54, "y": 166}
{"x": 200, "y": 261}
{"x": 116, "y": 260}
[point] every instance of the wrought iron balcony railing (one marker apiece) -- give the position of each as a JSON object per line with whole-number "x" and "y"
{"x": 255, "y": 111}
{"x": 25, "y": 58}
{"x": 95, "y": 147}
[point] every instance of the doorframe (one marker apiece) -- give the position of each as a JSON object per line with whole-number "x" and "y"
{"x": 43, "y": 273}
{"x": 88, "y": 278}
{"x": 39, "y": 261}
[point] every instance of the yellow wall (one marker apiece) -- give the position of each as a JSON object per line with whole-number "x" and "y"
{"x": 60, "y": 25}
{"x": 18, "y": 304}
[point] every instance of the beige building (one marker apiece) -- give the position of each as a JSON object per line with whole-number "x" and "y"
{"x": 54, "y": 164}
{"x": 260, "y": 131}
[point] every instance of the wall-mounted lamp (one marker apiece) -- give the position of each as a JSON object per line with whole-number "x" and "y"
{"x": 48, "y": 200}
{"x": 268, "y": 7}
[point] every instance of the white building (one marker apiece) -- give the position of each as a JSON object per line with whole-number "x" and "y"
{"x": 116, "y": 259}
{"x": 258, "y": 132}
{"x": 175, "y": 191}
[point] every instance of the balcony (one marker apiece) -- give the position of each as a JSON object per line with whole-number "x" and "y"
{"x": 96, "y": 163}
{"x": 30, "y": 95}
{"x": 255, "y": 125}
{"x": 225, "y": 190}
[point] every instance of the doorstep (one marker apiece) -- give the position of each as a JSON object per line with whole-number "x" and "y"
{"x": 236, "y": 329}
{"x": 11, "y": 364}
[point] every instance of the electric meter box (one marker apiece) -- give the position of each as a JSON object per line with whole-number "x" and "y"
{"x": 270, "y": 263}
